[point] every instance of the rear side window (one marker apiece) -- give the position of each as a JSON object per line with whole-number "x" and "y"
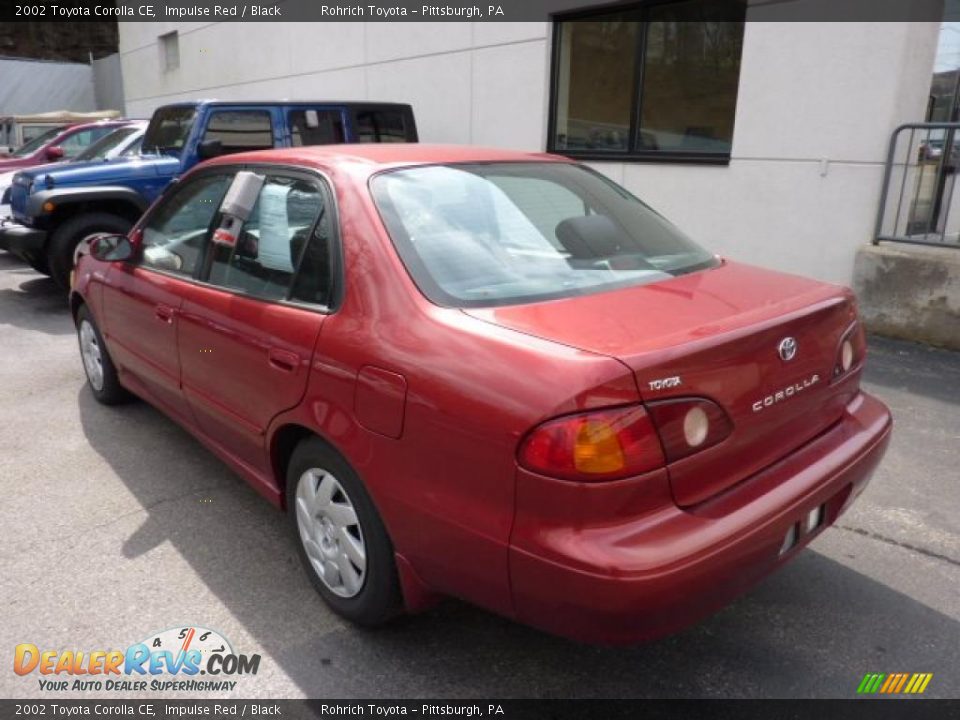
{"x": 240, "y": 130}
{"x": 316, "y": 127}
{"x": 382, "y": 126}
{"x": 271, "y": 242}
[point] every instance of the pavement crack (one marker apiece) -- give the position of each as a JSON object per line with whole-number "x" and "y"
{"x": 899, "y": 544}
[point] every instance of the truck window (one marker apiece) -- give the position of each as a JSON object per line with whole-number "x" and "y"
{"x": 316, "y": 127}
{"x": 240, "y": 130}
{"x": 381, "y": 126}
{"x": 169, "y": 128}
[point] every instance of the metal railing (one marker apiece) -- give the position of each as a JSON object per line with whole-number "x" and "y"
{"x": 921, "y": 176}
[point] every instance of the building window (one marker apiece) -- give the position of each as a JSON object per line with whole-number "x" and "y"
{"x": 170, "y": 51}
{"x": 651, "y": 82}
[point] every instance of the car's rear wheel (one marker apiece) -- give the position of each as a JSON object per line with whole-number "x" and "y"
{"x": 100, "y": 371}
{"x": 66, "y": 238}
{"x": 341, "y": 539}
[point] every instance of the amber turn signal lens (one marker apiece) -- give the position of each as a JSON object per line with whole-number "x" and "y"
{"x": 597, "y": 449}
{"x": 599, "y": 445}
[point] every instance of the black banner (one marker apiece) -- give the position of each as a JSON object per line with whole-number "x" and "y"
{"x": 439, "y": 11}
{"x": 915, "y": 709}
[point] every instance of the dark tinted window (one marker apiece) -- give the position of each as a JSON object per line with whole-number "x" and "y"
{"x": 316, "y": 127}
{"x": 651, "y": 81}
{"x": 382, "y": 126}
{"x": 240, "y": 130}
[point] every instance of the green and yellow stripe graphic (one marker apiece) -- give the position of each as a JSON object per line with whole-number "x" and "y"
{"x": 894, "y": 683}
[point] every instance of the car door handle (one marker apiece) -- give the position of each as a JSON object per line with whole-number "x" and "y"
{"x": 164, "y": 312}
{"x": 283, "y": 360}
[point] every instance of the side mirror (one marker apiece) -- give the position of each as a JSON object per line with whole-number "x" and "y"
{"x": 209, "y": 149}
{"x": 110, "y": 248}
{"x": 55, "y": 153}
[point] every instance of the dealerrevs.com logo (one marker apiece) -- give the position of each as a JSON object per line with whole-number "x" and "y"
{"x": 179, "y": 659}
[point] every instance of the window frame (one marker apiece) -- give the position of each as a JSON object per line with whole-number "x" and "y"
{"x": 201, "y": 272}
{"x": 168, "y": 41}
{"x": 633, "y": 154}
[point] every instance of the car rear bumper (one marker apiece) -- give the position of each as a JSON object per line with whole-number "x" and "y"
{"x": 651, "y": 571}
{"x": 24, "y": 242}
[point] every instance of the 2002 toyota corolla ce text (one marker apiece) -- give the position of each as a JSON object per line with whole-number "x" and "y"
{"x": 487, "y": 374}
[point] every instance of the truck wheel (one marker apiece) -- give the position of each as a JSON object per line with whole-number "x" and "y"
{"x": 101, "y": 373}
{"x": 66, "y": 238}
{"x": 340, "y": 537}
{"x": 39, "y": 263}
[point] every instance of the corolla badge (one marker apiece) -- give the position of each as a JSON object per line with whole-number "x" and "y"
{"x": 787, "y": 349}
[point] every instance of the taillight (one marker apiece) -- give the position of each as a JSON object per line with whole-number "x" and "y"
{"x": 852, "y": 351}
{"x": 594, "y": 446}
{"x": 688, "y": 425}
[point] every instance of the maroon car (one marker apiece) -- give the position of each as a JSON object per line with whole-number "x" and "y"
{"x": 487, "y": 374}
{"x": 58, "y": 143}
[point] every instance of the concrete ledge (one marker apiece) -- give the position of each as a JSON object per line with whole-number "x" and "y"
{"x": 910, "y": 292}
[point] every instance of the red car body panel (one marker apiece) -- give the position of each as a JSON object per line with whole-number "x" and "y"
{"x": 40, "y": 157}
{"x": 429, "y": 405}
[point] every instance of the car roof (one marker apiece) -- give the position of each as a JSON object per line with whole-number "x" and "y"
{"x": 73, "y": 127}
{"x": 373, "y": 157}
{"x": 287, "y": 103}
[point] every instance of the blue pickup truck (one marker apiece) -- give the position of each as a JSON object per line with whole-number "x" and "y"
{"x": 53, "y": 210}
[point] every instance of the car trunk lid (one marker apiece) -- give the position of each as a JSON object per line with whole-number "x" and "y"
{"x": 718, "y": 331}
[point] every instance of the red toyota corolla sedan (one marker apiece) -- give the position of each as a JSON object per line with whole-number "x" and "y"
{"x": 487, "y": 374}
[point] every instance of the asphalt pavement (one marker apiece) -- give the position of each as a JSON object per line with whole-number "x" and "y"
{"x": 115, "y": 524}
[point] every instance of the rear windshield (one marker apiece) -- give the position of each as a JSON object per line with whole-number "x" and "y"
{"x": 38, "y": 142}
{"x": 508, "y": 233}
{"x": 169, "y": 129}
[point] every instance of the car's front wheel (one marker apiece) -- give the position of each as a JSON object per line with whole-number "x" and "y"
{"x": 99, "y": 368}
{"x": 341, "y": 539}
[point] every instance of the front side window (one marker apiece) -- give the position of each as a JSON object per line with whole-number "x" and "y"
{"x": 175, "y": 233}
{"x": 271, "y": 242}
{"x": 509, "y": 233}
{"x": 239, "y": 130}
{"x": 99, "y": 149}
{"x": 80, "y": 141}
{"x": 30, "y": 147}
{"x": 169, "y": 129}
{"x": 651, "y": 82}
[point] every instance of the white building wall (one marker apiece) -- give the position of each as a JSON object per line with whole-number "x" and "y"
{"x": 816, "y": 106}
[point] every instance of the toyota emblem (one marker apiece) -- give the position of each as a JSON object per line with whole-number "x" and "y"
{"x": 787, "y": 349}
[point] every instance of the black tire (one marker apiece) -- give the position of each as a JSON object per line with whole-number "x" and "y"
{"x": 39, "y": 263}
{"x": 110, "y": 392}
{"x": 66, "y": 238}
{"x": 378, "y": 599}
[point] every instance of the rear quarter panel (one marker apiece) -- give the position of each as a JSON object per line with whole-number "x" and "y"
{"x": 446, "y": 486}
